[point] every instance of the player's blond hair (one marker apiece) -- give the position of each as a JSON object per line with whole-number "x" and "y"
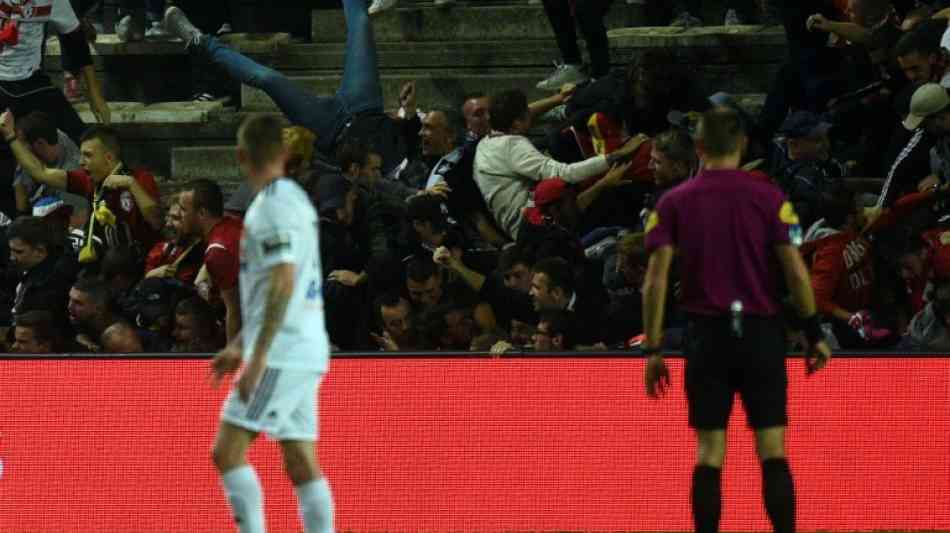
{"x": 261, "y": 139}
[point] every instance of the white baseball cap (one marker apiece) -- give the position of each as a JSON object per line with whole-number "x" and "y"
{"x": 928, "y": 99}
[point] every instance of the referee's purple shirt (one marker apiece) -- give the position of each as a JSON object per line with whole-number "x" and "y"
{"x": 724, "y": 225}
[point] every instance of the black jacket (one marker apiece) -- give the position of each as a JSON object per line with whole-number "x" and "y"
{"x": 392, "y": 138}
{"x": 510, "y": 304}
{"x": 45, "y": 287}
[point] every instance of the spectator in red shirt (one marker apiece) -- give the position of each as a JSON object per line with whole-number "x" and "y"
{"x": 179, "y": 257}
{"x": 938, "y": 241}
{"x": 923, "y": 262}
{"x": 922, "y": 259}
{"x": 842, "y": 276}
{"x": 202, "y": 205}
{"x": 126, "y": 212}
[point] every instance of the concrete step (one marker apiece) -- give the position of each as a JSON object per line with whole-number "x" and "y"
{"x": 712, "y": 45}
{"x": 214, "y": 162}
{"x": 303, "y": 58}
{"x": 446, "y": 87}
{"x": 107, "y": 45}
{"x": 463, "y": 22}
{"x": 150, "y": 132}
{"x": 711, "y": 11}
{"x": 449, "y": 86}
{"x": 137, "y": 113}
{"x": 154, "y": 71}
{"x": 739, "y": 59}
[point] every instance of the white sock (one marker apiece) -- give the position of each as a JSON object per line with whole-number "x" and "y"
{"x": 243, "y": 490}
{"x": 316, "y": 506}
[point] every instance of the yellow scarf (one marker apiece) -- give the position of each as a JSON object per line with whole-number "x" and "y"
{"x": 100, "y": 214}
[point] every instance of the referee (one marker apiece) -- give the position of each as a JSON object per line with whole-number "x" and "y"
{"x": 734, "y": 236}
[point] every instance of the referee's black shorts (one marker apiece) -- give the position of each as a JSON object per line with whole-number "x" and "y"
{"x": 718, "y": 365}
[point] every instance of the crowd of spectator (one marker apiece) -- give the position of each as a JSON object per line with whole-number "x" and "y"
{"x": 514, "y": 224}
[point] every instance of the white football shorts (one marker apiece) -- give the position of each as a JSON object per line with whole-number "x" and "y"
{"x": 283, "y": 406}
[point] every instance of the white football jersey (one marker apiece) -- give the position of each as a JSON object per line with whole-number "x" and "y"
{"x": 19, "y": 61}
{"x": 280, "y": 227}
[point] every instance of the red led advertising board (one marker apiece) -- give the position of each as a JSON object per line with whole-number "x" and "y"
{"x": 480, "y": 445}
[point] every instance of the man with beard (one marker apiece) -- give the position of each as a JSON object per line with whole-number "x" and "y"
{"x": 98, "y": 326}
{"x": 178, "y": 257}
{"x": 202, "y": 205}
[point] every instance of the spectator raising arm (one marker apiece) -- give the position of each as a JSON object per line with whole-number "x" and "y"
{"x": 544, "y": 105}
{"x": 78, "y": 59}
{"x": 52, "y": 177}
{"x": 444, "y": 258}
{"x": 614, "y": 178}
{"x": 96, "y": 100}
{"x": 146, "y": 203}
{"x": 526, "y": 160}
{"x": 846, "y": 30}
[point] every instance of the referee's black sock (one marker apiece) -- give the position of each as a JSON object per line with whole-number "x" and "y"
{"x": 779, "y": 492}
{"x": 707, "y": 498}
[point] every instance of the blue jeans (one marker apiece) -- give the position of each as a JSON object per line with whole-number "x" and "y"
{"x": 359, "y": 92}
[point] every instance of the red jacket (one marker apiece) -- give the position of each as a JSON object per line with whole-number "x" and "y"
{"x": 167, "y": 252}
{"x": 842, "y": 273}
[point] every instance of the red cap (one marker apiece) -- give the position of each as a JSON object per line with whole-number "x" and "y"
{"x": 549, "y": 191}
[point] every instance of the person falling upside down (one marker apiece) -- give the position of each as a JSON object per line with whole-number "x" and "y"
{"x": 356, "y": 110}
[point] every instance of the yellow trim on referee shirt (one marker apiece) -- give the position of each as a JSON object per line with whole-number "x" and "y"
{"x": 787, "y": 214}
{"x": 652, "y": 221}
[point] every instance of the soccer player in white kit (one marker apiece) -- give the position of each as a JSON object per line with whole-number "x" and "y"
{"x": 283, "y": 346}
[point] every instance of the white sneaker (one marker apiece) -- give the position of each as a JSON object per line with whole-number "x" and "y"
{"x": 443, "y": 3}
{"x": 177, "y": 25}
{"x": 562, "y": 74}
{"x": 129, "y": 30}
{"x": 378, "y": 6}
{"x": 686, "y": 20}
{"x": 732, "y": 18}
{"x": 156, "y": 31}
